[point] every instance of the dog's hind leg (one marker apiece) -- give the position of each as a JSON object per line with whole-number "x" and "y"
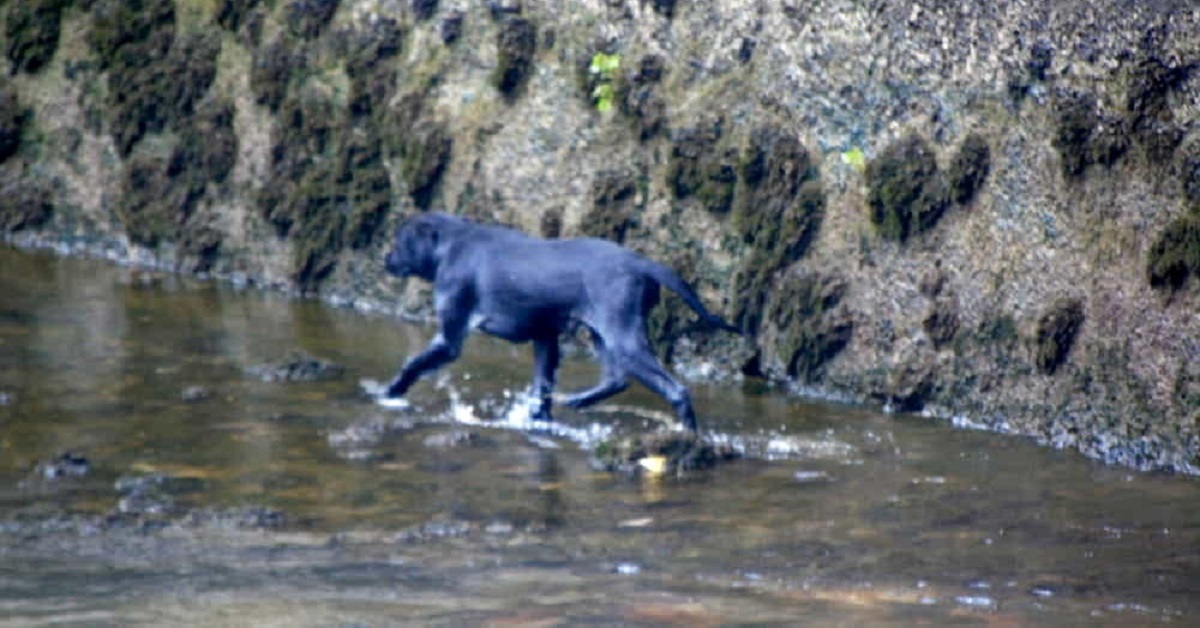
{"x": 645, "y": 368}
{"x": 612, "y": 381}
{"x": 545, "y": 363}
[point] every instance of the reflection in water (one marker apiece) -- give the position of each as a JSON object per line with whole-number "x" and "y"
{"x": 214, "y": 497}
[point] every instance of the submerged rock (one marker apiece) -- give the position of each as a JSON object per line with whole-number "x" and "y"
{"x": 661, "y": 453}
{"x": 65, "y": 465}
{"x": 296, "y": 367}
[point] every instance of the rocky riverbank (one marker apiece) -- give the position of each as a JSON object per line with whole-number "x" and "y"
{"x": 987, "y": 212}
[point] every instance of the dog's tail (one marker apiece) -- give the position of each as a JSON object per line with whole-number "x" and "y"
{"x": 673, "y": 282}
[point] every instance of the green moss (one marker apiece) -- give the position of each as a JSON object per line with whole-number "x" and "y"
{"x": 1055, "y": 334}
{"x": 813, "y": 328}
{"x": 271, "y": 72}
{"x": 704, "y": 167}
{"x": 329, "y": 188}
{"x": 905, "y": 192}
{"x": 154, "y": 78}
{"x": 424, "y": 148}
{"x": 161, "y": 192}
{"x": 612, "y": 212}
{"x": 366, "y": 188}
{"x": 233, "y": 14}
{"x": 1175, "y": 255}
{"x": 969, "y": 169}
{"x": 372, "y": 78}
{"x": 516, "y": 44}
{"x": 424, "y": 9}
{"x": 941, "y": 323}
{"x": 451, "y": 27}
{"x": 13, "y": 117}
{"x": 1190, "y": 175}
{"x": 306, "y": 19}
{"x": 778, "y": 213}
{"x": 665, "y": 8}
{"x": 152, "y": 206}
{"x": 320, "y": 226}
{"x": 1149, "y": 82}
{"x": 24, "y": 205}
{"x": 639, "y": 98}
{"x": 1083, "y": 138}
{"x": 32, "y": 30}
{"x": 1076, "y": 119}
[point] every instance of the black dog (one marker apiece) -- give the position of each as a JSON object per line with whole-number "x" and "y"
{"x": 521, "y": 288}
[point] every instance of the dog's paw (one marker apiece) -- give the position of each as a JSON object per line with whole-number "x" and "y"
{"x": 395, "y": 403}
{"x": 378, "y": 391}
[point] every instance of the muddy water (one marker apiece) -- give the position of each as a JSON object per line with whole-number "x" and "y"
{"x": 195, "y": 492}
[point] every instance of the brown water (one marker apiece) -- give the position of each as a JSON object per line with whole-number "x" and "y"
{"x": 303, "y": 503}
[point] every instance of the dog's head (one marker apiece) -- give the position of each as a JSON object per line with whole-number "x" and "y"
{"x": 414, "y": 252}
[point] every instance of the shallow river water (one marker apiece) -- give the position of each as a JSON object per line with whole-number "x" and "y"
{"x": 150, "y": 475}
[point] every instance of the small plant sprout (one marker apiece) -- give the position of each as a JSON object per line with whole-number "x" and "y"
{"x": 604, "y": 68}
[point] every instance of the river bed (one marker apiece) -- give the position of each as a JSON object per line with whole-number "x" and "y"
{"x": 150, "y": 473}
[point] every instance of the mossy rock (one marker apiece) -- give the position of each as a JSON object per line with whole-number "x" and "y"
{"x": 1190, "y": 174}
{"x": 638, "y": 97}
{"x": 1149, "y": 83}
{"x": 941, "y": 323}
{"x": 307, "y": 19}
{"x": 233, "y": 14}
{"x": 155, "y": 80}
{"x": 307, "y": 124}
{"x": 813, "y": 325}
{"x": 121, "y": 27}
{"x": 1083, "y": 137}
{"x": 13, "y": 117}
{"x": 24, "y": 205}
{"x": 424, "y": 9}
{"x": 1175, "y": 255}
{"x": 782, "y": 204}
{"x": 905, "y": 191}
{"x": 32, "y": 30}
{"x": 271, "y": 71}
{"x": 665, "y": 8}
{"x": 702, "y": 166}
{"x": 367, "y": 188}
{"x": 329, "y": 188}
{"x": 661, "y": 454}
{"x": 1055, "y": 334}
{"x": 451, "y": 27}
{"x": 321, "y": 226}
{"x": 372, "y": 78}
{"x": 152, "y": 204}
{"x": 1076, "y": 120}
{"x": 517, "y": 45}
{"x": 777, "y": 213}
{"x": 612, "y": 212}
{"x": 424, "y": 148}
{"x": 969, "y": 169}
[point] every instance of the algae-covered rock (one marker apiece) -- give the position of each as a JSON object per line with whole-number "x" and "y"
{"x": 661, "y": 453}
{"x": 517, "y": 43}
{"x": 13, "y": 117}
{"x": 24, "y": 205}
{"x": 32, "y": 30}
{"x": 1056, "y": 330}
{"x": 906, "y": 192}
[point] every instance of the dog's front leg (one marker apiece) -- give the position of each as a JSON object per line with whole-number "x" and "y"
{"x": 442, "y": 350}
